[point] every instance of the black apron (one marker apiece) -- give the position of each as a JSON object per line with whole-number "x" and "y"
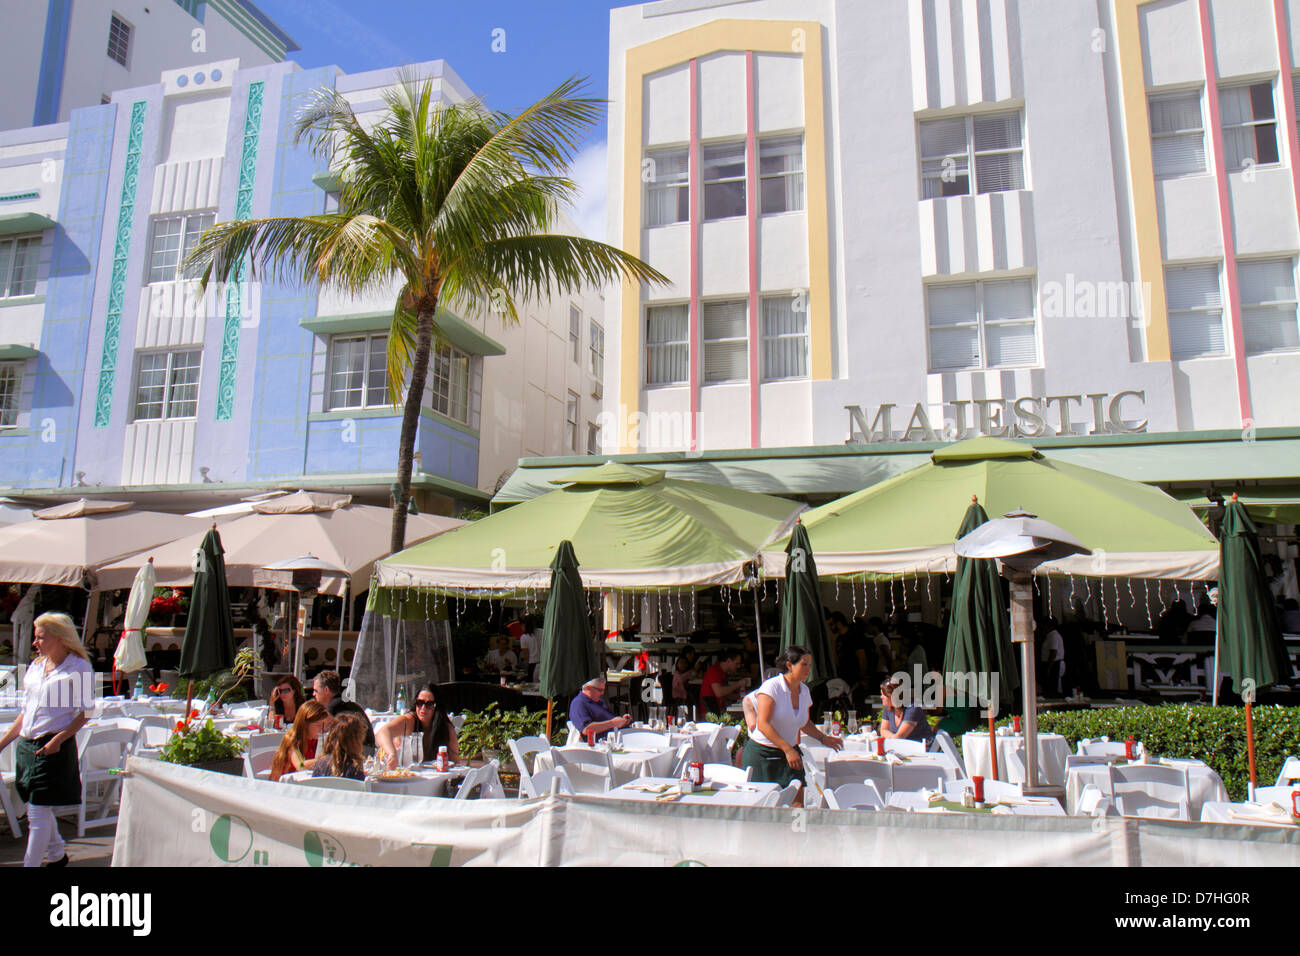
{"x": 51, "y": 781}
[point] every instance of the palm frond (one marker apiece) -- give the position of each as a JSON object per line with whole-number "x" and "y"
{"x": 536, "y": 266}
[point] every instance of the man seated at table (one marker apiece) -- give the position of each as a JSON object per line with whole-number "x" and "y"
{"x": 586, "y": 712}
{"x": 719, "y": 691}
{"x": 328, "y": 690}
{"x": 502, "y": 658}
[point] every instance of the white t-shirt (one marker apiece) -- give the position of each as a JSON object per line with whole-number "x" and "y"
{"x": 52, "y": 701}
{"x": 501, "y": 662}
{"x": 532, "y": 643}
{"x": 1053, "y": 647}
{"x": 788, "y": 716}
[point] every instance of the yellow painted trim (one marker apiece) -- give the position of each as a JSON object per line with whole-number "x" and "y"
{"x": 1142, "y": 177}
{"x": 762, "y": 36}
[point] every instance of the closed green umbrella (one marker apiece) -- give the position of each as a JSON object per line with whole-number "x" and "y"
{"x": 979, "y": 629}
{"x": 568, "y": 648}
{"x": 209, "y": 644}
{"x": 803, "y": 619}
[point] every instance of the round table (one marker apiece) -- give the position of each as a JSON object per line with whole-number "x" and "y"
{"x": 1052, "y": 751}
{"x": 628, "y": 764}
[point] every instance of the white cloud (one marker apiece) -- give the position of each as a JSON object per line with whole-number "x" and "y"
{"x": 589, "y": 171}
{"x": 332, "y": 20}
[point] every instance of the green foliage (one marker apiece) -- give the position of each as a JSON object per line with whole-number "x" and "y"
{"x": 199, "y": 745}
{"x": 492, "y": 728}
{"x": 229, "y": 686}
{"x": 1216, "y": 735}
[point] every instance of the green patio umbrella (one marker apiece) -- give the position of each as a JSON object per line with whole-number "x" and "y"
{"x": 569, "y": 657}
{"x": 979, "y": 630}
{"x": 803, "y": 619}
{"x": 209, "y": 644}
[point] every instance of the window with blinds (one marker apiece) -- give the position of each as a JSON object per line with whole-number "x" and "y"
{"x": 449, "y": 372}
{"x": 724, "y": 180}
{"x": 597, "y": 351}
{"x": 11, "y": 389}
{"x": 167, "y": 385}
{"x": 358, "y": 372}
{"x": 1249, "y": 125}
{"x": 571, "y": 422}
{"x": 994, "y": 141}
{"x": 119, "y": 39}
{"x": 667, "y": 340}
{"x": 668, "y": 197}
{"x": 780, "y": 171}
{"x": 945, "y": 159}
{"x": 1268, "y": 305}
{"x": 726, "y": 341}
{"x": 1177, "y": 134}
{"x": 173, "y": 239}
{"x": 1195, "y": 311}
{"x": 982, "y": 325}
{"x": 999, "y": 153}
{"x": 575, "y": 334}
{"x": 784, "y": 332}
{"x": 19, "y": 259}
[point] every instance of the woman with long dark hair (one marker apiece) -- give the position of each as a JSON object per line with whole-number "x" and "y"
{"x": 297, "y": 751}
{"x": 781, "y": 706}
{"x": 286, "y": 699}
{"x": 425, "y": 718}
{"x": 341, "y": 754}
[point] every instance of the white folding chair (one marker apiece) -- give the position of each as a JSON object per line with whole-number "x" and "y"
{"x": 842, "y": 771}
{"x": 1151, "y": 791}
{"x": 523, "y": 751}
{"x": 783, "y": 797}
{"x": 907, "y": 800}
{"x": 543, "y": 779}
{"x": 1105, "y": 748}
{"x": 1080, "y": 760}
{"x": 946, "y": 745}
{"x": 102, "y": 750}
{"x": 1093, "y": 803}
{"x": 644, "y": 740}
{"x": 1279, "y": 795}
{"x": 816, "y": 777}
{"x": 257, "y": 764}
{"x": 330, "y": 783}
{"x": 904, "y": 747}
{"x": 154, "y": 731}
{"x": 589, "y": 771}
{"x": 1290, "y": 771}
{"x": 917, "y": 777}
{"x": 725, "y": 743}
{"x": 854, "y": 796}
{"x": 7, "y": 802}
{"x": 485, "y": 779}
{"x": 1015, "y": 765}
{"x": 726, "y": 773}
{"x": 575, "y": 737}
{"x": 686, "y": 754}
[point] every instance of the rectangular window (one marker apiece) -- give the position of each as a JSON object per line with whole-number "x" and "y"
{"x": 996, "y": 142}
{"x": 668, "y": 194}
{"x": 780, "y": 171}
{"x": 11, "y": 389}
{"x": 1249, "y": 125}
{"x": 724, "y": 180}
{"x": 358, "y": 371}
{"x": 18, "y": 262}
{"x": 726, "y": 342}
{"x": 593, "y": 439}
{"x": 571, "y": 422}
{"x": 449, "y": 378}
{"x": 667, "y": 347}
{"x": 785, "y": 337}
{"x": 987, "y": 325}
{"x": 119, "y": 39}
{"x": 575, "y": 334}
{"x": 1177, "y": 134}
{"x": 174, "y": 238}
{"x": 1268, "y": 305}
{"x": 1195, "y": 311}
{"x": 167, "y": 385}
{"x": 597, "y": 351}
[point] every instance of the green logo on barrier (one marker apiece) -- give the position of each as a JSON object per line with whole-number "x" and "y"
{"x": 689, "y": 863}
{"x": 321, "y": 849}
{"x": 231, "y": 838}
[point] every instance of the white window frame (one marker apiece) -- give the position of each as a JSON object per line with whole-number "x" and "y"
{"x": 663, "y": 182}
{"x": 169, "y": 386}
{"x": 9, "y": 245}
{"x": 11, "y": 393}
{"x": 668, "y": 345}
{"x": 1293, "y": 304}
{"x": 971, "y": 155}
{"x": 980, "y": 323}
{"x": 442, "y": 399}
{"x": 705, "y": 342}
{"x": 706, "y": 182}
{"x": 330, "y": 392}
{"x": 1186, "y": 132}
{"x": 1251, "y": 124}
{"x": 575, "y": 333}
{"x": 771, "y": 142}
{"x": 1172, "y": 313}
{"x": 571, "y": 416}
{"x": 118, "y": 24}
{"x": 765, "y": 372}
{"x": 593, "y": 438}
{"x": 597, "y": 333}
{"x": 193, "y": 225}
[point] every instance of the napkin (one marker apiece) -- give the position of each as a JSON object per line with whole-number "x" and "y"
{"x": 1262, "y": 813}
{"x": 1001, "y": 811}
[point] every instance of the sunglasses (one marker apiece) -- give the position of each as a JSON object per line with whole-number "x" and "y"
{"x": 424, "y": 703}
{"x": 284, "y": 690}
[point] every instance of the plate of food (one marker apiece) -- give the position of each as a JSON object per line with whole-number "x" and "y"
{"x": 398, "y": 775}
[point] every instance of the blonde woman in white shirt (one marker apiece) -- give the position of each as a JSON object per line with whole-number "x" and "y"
{"x": 58, "y": 689}
{"x": 782, "y": 704}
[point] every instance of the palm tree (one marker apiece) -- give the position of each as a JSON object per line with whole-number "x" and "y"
{"x": 452, "y": 203}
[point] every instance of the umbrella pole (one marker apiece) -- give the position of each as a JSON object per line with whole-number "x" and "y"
{"x": 758, "y": 635}
{"x": 189, "y": 702}
{"x": 550, "y": 711}
{"x": 1022, "y": 632}
{"x": 1214, "y": 692}
{"x": 338, "y": 650}
{"x": 993, "y": 744}
{"x": 1250, "y": 746}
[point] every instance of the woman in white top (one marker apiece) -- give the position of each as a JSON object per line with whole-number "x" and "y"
{"x": 781, "y": 706}
{"x": 58, "y": 689}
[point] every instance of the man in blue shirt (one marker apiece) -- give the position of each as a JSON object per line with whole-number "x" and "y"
{"x": 586, "y": 711}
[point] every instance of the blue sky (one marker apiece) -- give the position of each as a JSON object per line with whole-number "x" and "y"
{"x": 545, "y": 42}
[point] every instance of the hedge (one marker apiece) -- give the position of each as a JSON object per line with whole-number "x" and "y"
{"x": 1216, "y": 735}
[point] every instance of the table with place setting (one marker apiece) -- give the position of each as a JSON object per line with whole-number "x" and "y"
{"x": 662, "y": 789}
{"x": 1203, "y": 784}
{"x": 628, "y": 764}
{"x": 1258, "y": 814}
{"x": 1052, "y": 751}
{"x": 860, "y": 747}
{"x": 419, "y": 781}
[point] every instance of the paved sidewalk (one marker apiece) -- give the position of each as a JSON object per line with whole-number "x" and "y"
{"x": 94, "y": 849}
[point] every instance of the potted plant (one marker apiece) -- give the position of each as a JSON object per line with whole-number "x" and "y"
{"x": 487, "y": 735}
{"x": 204, "y": 747}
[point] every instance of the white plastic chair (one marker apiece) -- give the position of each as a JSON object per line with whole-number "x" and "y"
{"x": 686, "y": 754}
{"x": 1015, "y": 765}
{"x": 783, "y": 797}
{"x": 1089, "y": 760}
{"x": 840, "y": 772}
{"x": 523, "y": 750}
{"x": 816, "y": 777}
{"x": 330, "y": 783}
{"x": 257, "y": 764}
{"x": 589, "y": 771}
{"x": 485, "y": 779}
{"x": 1151, "y": 791}
{"x": 575, "y": 737}
{"x": 1290, "y": 771}
{"x": 726, "y": 773}
{"x": 1105, "y": 748}
{"x": 904, "y": 747}
{"x": 917, "y": 777}
{"x": 946, "y": 745}
{"x": 644, "y": 740}
{"x": 1093, "y": 803}
{"x": 854, "y": 796}
{"x": 543, "y": 779}
{"x": 724, "y": 743}
{"x": 154, "y": 731}
{"x": 7, "y": 802}
{"x": 101, "y": 751}
{"x": 1279, "y": 795}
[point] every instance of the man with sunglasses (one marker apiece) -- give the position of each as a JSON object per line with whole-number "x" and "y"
{"x": 328, "y": 691}
{"x": 588, "y": 713}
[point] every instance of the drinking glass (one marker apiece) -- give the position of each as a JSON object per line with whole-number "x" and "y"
{"x": 683, "y": 715}
{"x": 417, "y": 748}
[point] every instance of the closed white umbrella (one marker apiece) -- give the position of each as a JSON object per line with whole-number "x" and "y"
{"x": 129, "y": 656}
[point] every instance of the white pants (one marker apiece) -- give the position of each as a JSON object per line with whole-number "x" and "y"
{"x": 43, "y": 841}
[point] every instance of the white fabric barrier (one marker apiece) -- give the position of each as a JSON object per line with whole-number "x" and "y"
{"x": 178, "y": 816}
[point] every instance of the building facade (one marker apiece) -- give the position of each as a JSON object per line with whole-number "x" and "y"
{"x": 118, "y": 378}
{"x": 924, "y": 220}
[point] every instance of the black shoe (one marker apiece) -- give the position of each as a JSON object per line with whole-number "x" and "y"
{"x": 62, "y": 862}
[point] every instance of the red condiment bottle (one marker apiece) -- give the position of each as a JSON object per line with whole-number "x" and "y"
{"x": 1130, "y": 749}
{"x": 880, "y": 746}
{"x": 1015, "y": 723}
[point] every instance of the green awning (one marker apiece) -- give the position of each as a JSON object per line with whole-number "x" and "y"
{"x": 454, "y": 329}
{"x": 330, "y": 180}
{"x": 1272, "y": 504}
{"x": 12, "y": 223}
{"x": 10, "y": 353}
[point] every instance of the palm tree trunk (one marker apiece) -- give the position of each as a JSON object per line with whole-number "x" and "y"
{"x": 411, "y": 422}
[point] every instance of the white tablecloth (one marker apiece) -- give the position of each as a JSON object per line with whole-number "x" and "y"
{"x": 1052, "y": 751}
{"x": 426, "y": 784}
{"x": 746, "y": 795}
{"x": 822, "y": 755}
{"x": 1203, "y": 783}
{"x": 1244, "y": 814}
{"x": 628, "y": 766}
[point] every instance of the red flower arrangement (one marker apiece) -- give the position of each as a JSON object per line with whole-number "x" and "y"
{"x": 158, "y": 688}
{"x": 168, "y": 602}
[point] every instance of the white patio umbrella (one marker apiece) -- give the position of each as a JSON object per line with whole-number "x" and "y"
{"x": 129, "y": 656}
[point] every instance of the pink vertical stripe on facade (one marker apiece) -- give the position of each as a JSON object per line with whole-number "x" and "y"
{"x": 1225, "y": 216}
{"x": 751, "y": 191}
{"x": 693, "y": 174}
